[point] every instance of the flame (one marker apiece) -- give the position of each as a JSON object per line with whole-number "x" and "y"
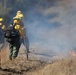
{"x": 71, "y": 52}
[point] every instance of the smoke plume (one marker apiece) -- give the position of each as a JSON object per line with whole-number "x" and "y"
{"x": 50, "y": 25}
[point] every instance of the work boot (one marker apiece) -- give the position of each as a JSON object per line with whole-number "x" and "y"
{"x": 13, "y": 57}
{"x": 10, "y": 58}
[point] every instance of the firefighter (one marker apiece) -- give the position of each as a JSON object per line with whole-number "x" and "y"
{"x": 24, "y": 39}
{"x": 14, "y": 47}
{"x": 2, "y": 24}
{"x": 2, "y": 28}
{"x": 19, "y": 15}
{"x": 13, "y": 34}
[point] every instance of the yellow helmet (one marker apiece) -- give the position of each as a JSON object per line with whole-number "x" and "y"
{"x": 1, "y": 19}
{"x": 16, "y": 19}
{"x": 18, "y": 11}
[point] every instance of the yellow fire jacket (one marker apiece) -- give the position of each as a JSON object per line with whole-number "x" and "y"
{"x": 21, "y": 32}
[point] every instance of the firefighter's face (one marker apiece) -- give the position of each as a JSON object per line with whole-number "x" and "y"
{"x": 18, "y": 13}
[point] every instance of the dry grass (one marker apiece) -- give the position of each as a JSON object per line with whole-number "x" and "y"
{"x": 21, "y": 66}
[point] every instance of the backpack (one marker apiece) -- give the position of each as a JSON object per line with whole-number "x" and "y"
{"x": 11, "y": 34}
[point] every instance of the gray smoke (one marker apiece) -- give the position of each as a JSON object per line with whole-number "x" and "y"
{"x": 51, "y": 25}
